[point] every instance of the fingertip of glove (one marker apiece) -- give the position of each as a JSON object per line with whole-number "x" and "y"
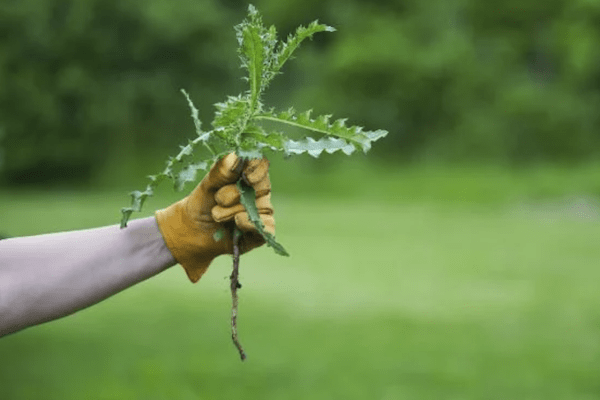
{"x": 231, "y": 165}
{"x": 269, "y": 222}
{"x": 223, "y": 214}
{"x": 256, "y": 170}
{"x": 227, "y": 196}
{"x": 244, "y": 223}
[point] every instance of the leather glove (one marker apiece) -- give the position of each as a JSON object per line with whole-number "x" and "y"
{"x": 189, "y": 225}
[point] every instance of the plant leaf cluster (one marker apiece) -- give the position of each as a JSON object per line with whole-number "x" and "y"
{"x": 237, "y": 125}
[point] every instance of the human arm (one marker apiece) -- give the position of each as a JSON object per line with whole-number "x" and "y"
{"x": 46, "y": 277}
{"x": 49, "y": 276}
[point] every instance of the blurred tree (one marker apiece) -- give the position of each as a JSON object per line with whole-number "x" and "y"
{"x": 89, "y": 82}
{"x": 503, "y": 81}
{"x": 87, "y": 79}
{"x": 2, "y": 151}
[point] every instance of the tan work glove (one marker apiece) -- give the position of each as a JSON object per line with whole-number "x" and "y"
{"x": 188, "y": 226}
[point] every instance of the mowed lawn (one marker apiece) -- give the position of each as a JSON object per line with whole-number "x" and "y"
{"x": 380, "y": 300}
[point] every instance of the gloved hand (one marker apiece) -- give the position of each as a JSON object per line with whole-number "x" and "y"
{"x": 188, "y": 226}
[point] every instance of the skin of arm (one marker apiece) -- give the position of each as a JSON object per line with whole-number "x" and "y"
{"x": 49, "y": 276}
{"x": 46, "y": 277}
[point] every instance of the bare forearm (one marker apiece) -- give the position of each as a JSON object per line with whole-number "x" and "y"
{"x": 49, "y": 276}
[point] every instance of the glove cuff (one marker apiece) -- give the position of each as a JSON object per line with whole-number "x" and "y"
{"x": 190, "y": 247}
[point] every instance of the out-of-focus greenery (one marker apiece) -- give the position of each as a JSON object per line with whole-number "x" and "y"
{"x": 432, "y": 280}
{"x": 447, "y": 283}
{"x": 85, "y": 84}
{"x": 503, "y": 80}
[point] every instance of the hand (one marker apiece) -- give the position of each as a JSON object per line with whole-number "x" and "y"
{"x": 189, "y": 225}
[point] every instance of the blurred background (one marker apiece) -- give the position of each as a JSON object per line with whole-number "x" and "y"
{"x": 458, "y": 260}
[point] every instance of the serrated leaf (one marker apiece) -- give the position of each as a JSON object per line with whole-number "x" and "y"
{"x": 351, "y": 134}
{"x": 286, "y": 49}
{"x": 188, "y": 174}
{"x": 187, "y": 150}
{"x": 203, "y": 137}
{"x": 316, "y": 147}
{"x": 126, "y": 215}
{"x": 155, "y": 180}
{"x": 252, "y": 51}
{"x": 137, "y": 201}
{"x": 269, "y": 38}
{"x": 231, "y": 113}
{"x": 248, "y": 200}
{"x": 367, "y": 137}
{"x": 249, "y": 149}
{"x": 194, "y": 110}
{"x": 236, "y": 119}
{"x": 273, "y": 140}
{"x": 250, "y": 154}
{"x": 138, "y": 198}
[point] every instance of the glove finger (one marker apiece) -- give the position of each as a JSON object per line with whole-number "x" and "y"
{"x": 222, "y": 214}
{"x": 263, "y": 186}
{"x": 256, "y": 170}
{"x": 244, "y": 223}
{"x": 225, "y": 171}
{"x": 229, "y": 195}
{"x": 264, "y": 204}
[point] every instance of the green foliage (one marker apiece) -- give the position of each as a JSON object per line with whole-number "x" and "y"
{"x": 236, "y": 126}
{"x": 248, "y": 200}
{"x": 492, "y": 81}
{"x": 348, "y": 138}
{"x": 88, "y": 84}
{"x": 219, "y": 235}
{"x": 1, "y": 148}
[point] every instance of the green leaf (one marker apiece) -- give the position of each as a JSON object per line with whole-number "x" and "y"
{"x": 155, "y": 180}
{"x": 219, "y": 235}
{"x": 126, "y": 215}
{"x": 185, "y": 152}
{"x": 316, "y": 147}
{"x": 137, "y": 201}
{"x": 248, "y": 200}
{"x": 194, "y": 110}
{"x": 354, "y": 135}
{"x": 231, "y": 113}
{"x": 249, "y": 154}
{"x": 273, "y": 140}
{"x": 286, "y": 49}
{"x": 188, "y": 174}
{"x": 252, "y": 52}
{"x": 236, "y": 122}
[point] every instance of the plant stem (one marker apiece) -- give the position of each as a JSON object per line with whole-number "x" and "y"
{"x": 234, "y": 286}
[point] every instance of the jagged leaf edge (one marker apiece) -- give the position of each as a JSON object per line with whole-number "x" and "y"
{"x": 185, "y": 175}
{"x": 252, "y": 52}
{"x": 355, "y": 135}
{"x": 248, "y": 200}
{"x": 286, "y": 49}
{"x": 316, "y": 147}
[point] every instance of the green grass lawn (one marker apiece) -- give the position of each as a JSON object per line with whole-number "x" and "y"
{"x": 416, "y": 297}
